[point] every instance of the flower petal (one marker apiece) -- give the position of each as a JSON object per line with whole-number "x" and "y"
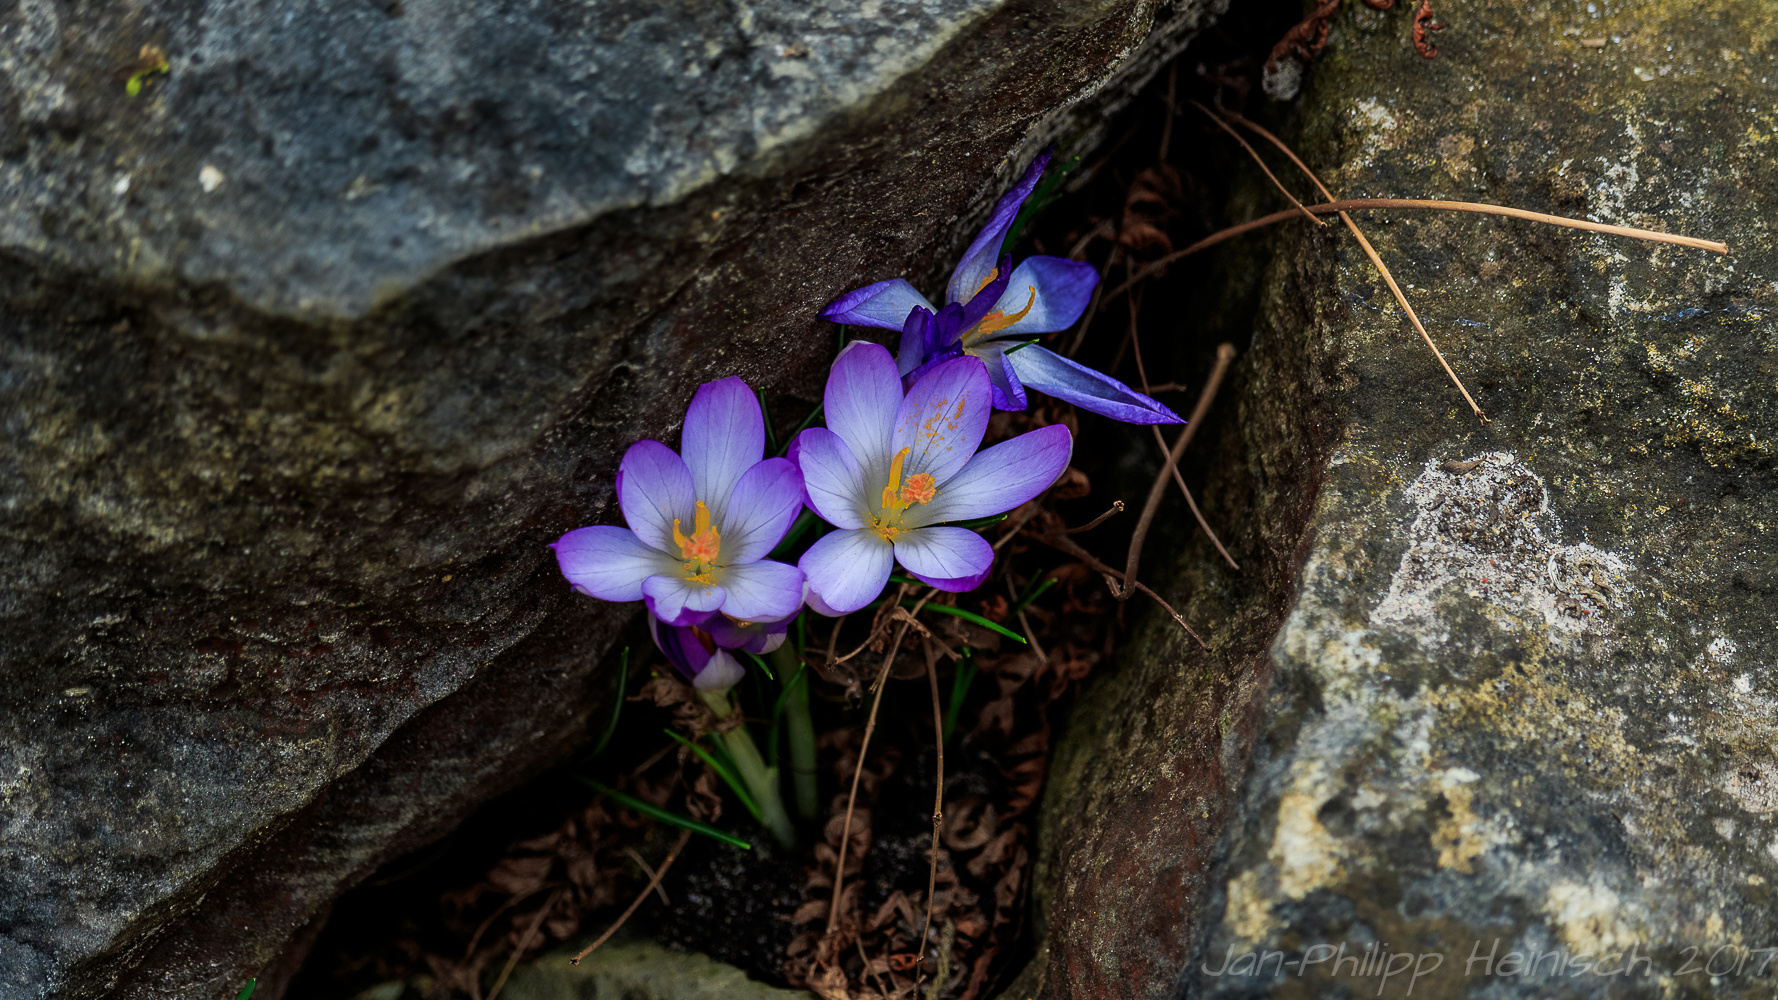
{"x": 943, "y": 418}
{"x": 846, "y": 570}
{"x": 1049, "y": 372}
{"x": 885, "y": 304}
{"x": 724, "y": 436}
{"x": 1008, "y": 391}
{"x": 952, "y": 559}
{"x": 609, "y": 562}
{"x": 678, "y": 601}
{"x": 653, "y": 488}
{"x": 758, "y": 591}
{"x": 863, "y": 394}
{"x": 833, "y": 481}
{"x": 719, "y": 674}
{"x": 1001, "y": 477}
{"x": 680, "y": 646}
{"x": 760, "y": 510}
{"x": 754, "y": 637}
{"x": 1056, "y": 289}
{"x": 916, "y": 341}
{"x": 979, "y": 260}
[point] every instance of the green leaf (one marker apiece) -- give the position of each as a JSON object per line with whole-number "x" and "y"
{"x": 798, "y": 528}
{"x": 966, "y": 672}
{"x": 898, "y": 578}
{"x": 723, "y": 769}
{"x": 1040, "y": 199}
{"x": 966, "y": 616}
{"x": 765, "y": 412}
{"x": 761, "y": 662}
{"x": 808, "y": 422}
{"x": 656, "y": 812}
{"x": 1033, "y": 595}
{"x": 979, "y": 523}
{"x": 800, "y": 677}
{"x": 247, "y": 990}
{"x": 617, "y": 707}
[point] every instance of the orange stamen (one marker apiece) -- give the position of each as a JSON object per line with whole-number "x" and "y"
{"x": 989, "y": 280}
{"x": 996, "y": 321}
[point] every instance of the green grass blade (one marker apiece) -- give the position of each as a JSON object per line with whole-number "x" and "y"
{"x": 966, "y": 672}
{"x": 1042, "y": 198}
{"x": 724, "y": 770}
{"x": 765, "y": 411}
{"x": 764, "y": 668}
{"x": 970, "y": 616}
{"x": 656, "y": 812}
{"x": 247, "y": 990}
{"x": 808, "y": 422}
{"x": 800, "y": 677}
{"x": 798, "y": 528}
{"x": 623, "y": 681}
{"x": 1025, "y": 602}
{"x": 980, "y": 522}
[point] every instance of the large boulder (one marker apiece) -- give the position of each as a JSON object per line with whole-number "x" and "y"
{"x": 310, "y": 347}
{"x": 1512, "y": 699}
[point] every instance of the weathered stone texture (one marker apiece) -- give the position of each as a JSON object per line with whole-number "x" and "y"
{"x": 309, "y": 349}
{"x": 1530, "y": 700}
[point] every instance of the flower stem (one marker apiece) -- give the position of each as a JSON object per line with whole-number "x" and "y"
{"x": 761, "y": 780}
{"x": 800, "y": 728}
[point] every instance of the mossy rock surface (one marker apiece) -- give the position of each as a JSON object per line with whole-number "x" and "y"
{"x": 1502, "y": 689}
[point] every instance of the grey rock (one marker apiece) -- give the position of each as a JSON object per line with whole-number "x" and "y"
{"x": 1516, "y": 694}
{"x": 309, "y": 349}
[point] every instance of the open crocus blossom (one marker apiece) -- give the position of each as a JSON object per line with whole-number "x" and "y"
{"x": 994, "y": 312}
{"x": 699, "y": 526}
{"x": 888, "y": 470}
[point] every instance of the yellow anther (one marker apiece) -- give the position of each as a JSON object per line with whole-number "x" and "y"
{"x": 892, "y": 492}
{"x": 996, "y": 320}
{"x": 989, "y": 280}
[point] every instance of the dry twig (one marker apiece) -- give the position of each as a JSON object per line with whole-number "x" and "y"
{"x": 659, "y": 873}
{"x": 1225, "y": 354}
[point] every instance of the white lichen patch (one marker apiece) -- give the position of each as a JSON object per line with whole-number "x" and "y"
{"x": 1483, "y": 528}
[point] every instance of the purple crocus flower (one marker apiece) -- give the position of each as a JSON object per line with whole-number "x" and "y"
{"x": 698, "y": 526}
{"x": 696, "y": 654}
{"x": 888, "y": 470}
{"x": 992, "y": 312}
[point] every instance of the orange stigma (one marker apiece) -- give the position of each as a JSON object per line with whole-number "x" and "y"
{"x": 996, "y": 321}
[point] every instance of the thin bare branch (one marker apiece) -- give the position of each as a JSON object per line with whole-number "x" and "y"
{"x": 524, "y": 942}
{"x": 659, "y": 890}
{"x": 1410, "y": 204}
{"x": 938, "y": 811}
{"x": 659, "y": 873}
{"x": 1063, "y": 543}
{"x": 1225, "y": 354}
{"x": 1262, "y": 164}
{"x": 1377, "y": 262}
{"x": 1117, "y": 507}
{"x": 870, "y": 726}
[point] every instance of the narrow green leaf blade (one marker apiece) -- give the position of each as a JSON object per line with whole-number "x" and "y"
{"x": 656, "y": 812}
{"x": 723, "y": 771}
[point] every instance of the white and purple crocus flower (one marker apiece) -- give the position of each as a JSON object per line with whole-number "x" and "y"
{"x": 889, "y": 469}
{"x": 699, "y": 526}
{"x": 698, "y": 656}
{"x": 993, "y": 312}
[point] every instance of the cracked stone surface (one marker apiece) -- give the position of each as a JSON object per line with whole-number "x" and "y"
{"x": 309, "y": 348}
{"x": 1522, "y": 711}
